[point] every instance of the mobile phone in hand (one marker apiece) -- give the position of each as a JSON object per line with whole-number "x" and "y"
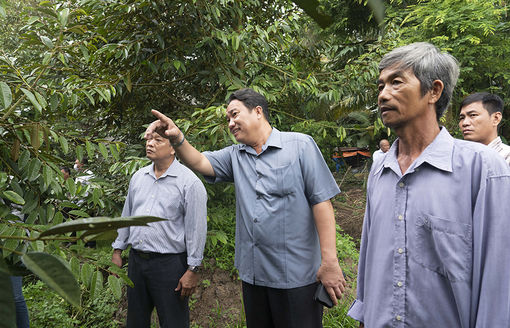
{"x": 322, "y": 296}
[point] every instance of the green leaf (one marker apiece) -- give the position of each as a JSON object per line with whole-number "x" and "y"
{"x": 3, "y": 178}
{"x": 99, "y": 224}
{"x": 79, "y": 152}
{"x": 64, "y": 144}
{"x": 90, "y": 149}
{"x": 46, "y": 59}
{"x": 127, "y": 82}
{"x": 58, "y": 218}
{"x": 89, "y": 96}
{"x": 23, "y": 159}
{"x": 103, "y": 150}
{"x": 47, "y": 42}
{"x": 33, "y": 169}
{"x": 235, "y": 42}
{"x": 107, "y": 235}
{"x": 54, "y": 101}
{"x": 96, "y": 284}
{"x": 114, "y": 151}
{"x": 32, "y": 99}
{"x": 41, "y": 100}
{"x": 63, "y": 15}
{"x": 7, "y": 308}
{"x": 10, "y": 244}
{"x": 79, "y": 213}
{"x": 86, "y": 274}
{"x": 13, "y": 197}
{"x": 5, "y": 95}
{"x": 71, "y": 186}
{"x": 114, "y": 284}
{"x": 50, "y": 212}
{"x": 47, "y": 176}
{"x": 74, "y": 263}
{"x": 55, "y": 274}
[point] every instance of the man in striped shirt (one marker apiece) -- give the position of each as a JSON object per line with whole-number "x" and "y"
{"x": 164, "y": 255}
{"x": 480, "y": 115}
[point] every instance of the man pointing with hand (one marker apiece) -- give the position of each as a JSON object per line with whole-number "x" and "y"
{"x": 285, "y": 225}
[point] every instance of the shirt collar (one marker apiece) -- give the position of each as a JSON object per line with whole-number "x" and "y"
{"x": 173, "y": 170}
{"x": 274, "y": 140}
{"x": 438, "y": 154}
{"x": 495, "y": 142}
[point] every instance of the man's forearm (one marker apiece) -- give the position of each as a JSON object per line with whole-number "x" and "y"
{"x": 194, "y": 159}
{"x": 325, "y": 222}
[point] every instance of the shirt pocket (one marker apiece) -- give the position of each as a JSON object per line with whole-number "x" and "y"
{"x": 281, "y": 181}
{"x": 444, "y": 246}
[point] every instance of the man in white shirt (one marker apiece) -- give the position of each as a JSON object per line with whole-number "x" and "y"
{"x": 384, "y": 146}
{"x": 480, "y": 115}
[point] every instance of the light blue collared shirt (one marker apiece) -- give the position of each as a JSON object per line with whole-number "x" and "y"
{"x": 277, "y": 244}
{"x": 435, "y": 242}
{"x": 179, "y": 196}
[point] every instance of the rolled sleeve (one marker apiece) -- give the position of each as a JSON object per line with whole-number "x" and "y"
{"x": 356, "y": 311}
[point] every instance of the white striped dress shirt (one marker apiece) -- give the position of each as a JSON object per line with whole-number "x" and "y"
{"x": 180, "y": 197}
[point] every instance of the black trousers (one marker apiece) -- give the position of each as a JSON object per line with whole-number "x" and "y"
{"x": 267, "y": 307}
{"x": 155, "y": 277}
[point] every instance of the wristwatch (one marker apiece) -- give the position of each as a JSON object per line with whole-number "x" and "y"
{"x": 193, "y": 268}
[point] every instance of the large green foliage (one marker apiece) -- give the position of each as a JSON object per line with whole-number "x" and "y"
{"x": 78, "y": 78}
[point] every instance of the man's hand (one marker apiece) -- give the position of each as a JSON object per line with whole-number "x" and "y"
{"x": 165, "y": 127}
{"x": 332, "y": 278}
{"x": 187, "y": 283}
{"x": 117, "y": 258}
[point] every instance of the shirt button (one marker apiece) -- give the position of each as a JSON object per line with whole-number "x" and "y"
{"x": 400, "y": 217}
{"x": 255, "y": 220}
{"x": 400, "y": 251}
{"x": 399, "y": 284}
{"x": 258, "y": 196}
{"x": 256, "y": 244}
{"x": 398, "y": 318}
{"x": 401, "y": 185}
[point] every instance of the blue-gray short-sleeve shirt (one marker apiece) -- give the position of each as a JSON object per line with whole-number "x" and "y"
{"x": 277, "y": 244}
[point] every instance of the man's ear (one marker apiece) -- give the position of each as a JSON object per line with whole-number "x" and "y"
{"x": 436, "y": 91}
{"x": 259, "y": 111}
{"x": 496, "y": 118}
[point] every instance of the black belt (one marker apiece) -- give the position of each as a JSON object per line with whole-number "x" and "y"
{"x": 151, "y": 255}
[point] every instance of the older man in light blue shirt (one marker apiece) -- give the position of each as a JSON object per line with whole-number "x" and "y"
{"x": 435, "y": 235}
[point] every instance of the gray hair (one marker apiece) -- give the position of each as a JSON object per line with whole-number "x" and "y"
{"x": 428, "y": 64}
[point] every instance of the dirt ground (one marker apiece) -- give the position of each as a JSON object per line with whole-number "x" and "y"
{"x": 218, "y": 299}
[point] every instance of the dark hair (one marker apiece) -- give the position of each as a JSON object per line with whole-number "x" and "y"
{"x": 251, "y": 99}
{"x": 428, "y": 64}
{"x": 66, "y": 169}
{"x": 492, "y": 103}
